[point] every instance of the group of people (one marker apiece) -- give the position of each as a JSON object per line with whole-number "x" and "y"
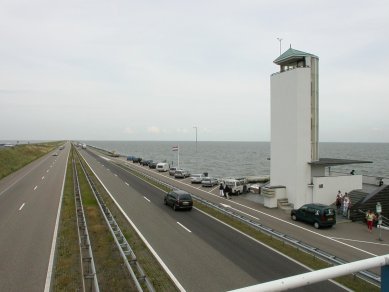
{"x": 224, "y": 191}
{"x": 343, "y": 203}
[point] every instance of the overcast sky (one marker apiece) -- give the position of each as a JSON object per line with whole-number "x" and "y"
{"x": 152, "y": 70}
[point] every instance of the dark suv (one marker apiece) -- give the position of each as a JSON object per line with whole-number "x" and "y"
{"x": 317, "y": 214}
{"x": 179, "y": 200}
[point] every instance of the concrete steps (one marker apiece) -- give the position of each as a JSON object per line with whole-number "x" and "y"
{"x": 284, "y": 204}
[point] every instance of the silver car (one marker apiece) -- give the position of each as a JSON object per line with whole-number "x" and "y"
{"x": 197, "y": 178}
{"x": 172, "y": 170}
{"x": 209, "y": 182}
{"x": 181, "y": 173}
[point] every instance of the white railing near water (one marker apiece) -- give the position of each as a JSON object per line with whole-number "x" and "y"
{"x": 326, "y": 274}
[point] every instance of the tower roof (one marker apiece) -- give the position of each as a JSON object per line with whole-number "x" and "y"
{"x": 291, "y": 55}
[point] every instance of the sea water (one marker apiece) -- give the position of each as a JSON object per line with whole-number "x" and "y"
{"x": 223, "y": 159}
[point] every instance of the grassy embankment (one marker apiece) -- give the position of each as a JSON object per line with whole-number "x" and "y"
{"x": 14, "y": 158}
{"x": 309, "y": 260}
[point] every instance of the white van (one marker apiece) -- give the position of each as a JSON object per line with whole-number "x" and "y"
{"x": 162, "y": 166}
{"x": 237, "y": 185}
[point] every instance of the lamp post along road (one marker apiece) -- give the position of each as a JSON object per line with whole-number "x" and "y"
{"x": 195, "y": 127}
{"x": 379, "y": 211}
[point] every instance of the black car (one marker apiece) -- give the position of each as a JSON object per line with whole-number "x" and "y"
{"x": 136, "y": 160}
{"x": 145, "y": 162}
{"x": 179, "y": 199}
{"x": 153, "y": 164}
{"x": 317, "y": 214}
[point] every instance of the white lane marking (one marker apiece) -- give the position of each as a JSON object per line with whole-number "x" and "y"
{"x": 35, "y": 188}
{"x": 115, "y": 174}
{"x": 127, "y": 184}
{"x": 225, "y": 206}
{"x": 47, "y": 170}
{"x": 21, "y": 207}
{"x": 214, "y": 188}
{"x": 146, "y": 199}
{"x": 43, "y": 177}
{"x": 54, "y": 241}
{"x": 361, "y": 241}
{"x": 105, "y": 158}
{"x": 20, "y": 178}
{"x": 184, "y": 227}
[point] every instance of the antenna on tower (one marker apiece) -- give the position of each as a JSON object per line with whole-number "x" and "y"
{"x": 280, "y": 40}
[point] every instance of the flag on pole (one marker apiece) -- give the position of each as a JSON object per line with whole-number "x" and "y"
{"x": 175, "y": 148}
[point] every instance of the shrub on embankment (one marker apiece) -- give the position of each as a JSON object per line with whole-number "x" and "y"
{"x": 14, "y": 158}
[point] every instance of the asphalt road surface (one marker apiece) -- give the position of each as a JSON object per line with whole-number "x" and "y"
{"x": 29, "y": 201}
{"x": 203, "y": 254}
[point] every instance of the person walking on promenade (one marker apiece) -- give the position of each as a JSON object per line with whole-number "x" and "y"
{"x": 338, "y": 202}
{"x": 370, "y": 217}
{"x": 346, "y": 204}
{"x": 221, "y": 190}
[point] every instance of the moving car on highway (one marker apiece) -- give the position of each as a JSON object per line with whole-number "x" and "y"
{"x": 179, "y": 199}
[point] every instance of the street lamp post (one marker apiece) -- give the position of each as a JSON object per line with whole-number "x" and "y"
{"x": 378, "y": 208}
{"x": 196, "y": 136}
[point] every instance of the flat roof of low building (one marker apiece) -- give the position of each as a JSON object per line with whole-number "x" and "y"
{"x": 336, "y": 161}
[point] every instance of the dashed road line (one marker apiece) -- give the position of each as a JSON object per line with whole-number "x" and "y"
{"x": 21, "y": 207}
{"x": 146, "y": 199}
{"x": 43, "y": 177}
{"x": 127, "y": 184}
{"x": 184, "y": 227}
{"x": 35, "y": 188}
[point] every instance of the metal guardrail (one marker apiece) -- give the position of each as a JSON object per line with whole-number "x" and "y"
{"x": 124, "y": 247}
{"x": 89, "y": 279}
{"x": 331, "y": 259}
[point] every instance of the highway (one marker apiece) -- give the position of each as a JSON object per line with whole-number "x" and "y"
{"x": 29, "y": 201}
{"x": 203, "y": 254}
{"x": 349, "y": 241}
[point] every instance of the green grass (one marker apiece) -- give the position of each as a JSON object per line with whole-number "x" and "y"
{"x": 67, "y": 266}
{"x": 14, "y": 158}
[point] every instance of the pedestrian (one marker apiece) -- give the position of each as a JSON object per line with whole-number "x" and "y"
{"x": 227, "y": 192}
{"x": 221, "y": 190}
{"x": 370, "y": 217}
{"x": 338, "y": 201}
{"x": 346, "y": 204}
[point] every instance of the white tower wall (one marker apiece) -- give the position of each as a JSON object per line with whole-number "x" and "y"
{"x": 291, "y": 134}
